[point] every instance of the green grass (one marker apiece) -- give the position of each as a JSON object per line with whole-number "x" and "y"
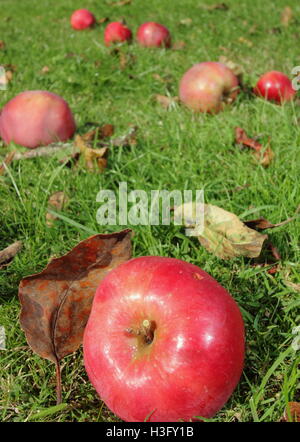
{"x": 175, "y": 150}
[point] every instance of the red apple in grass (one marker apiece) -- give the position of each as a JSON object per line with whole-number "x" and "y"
{"x": 116, "y": 32}
{"x": 208, "y": 86}
{"x": 275, "y": 86}
{"x": 153, "y": 34}
{"x": 35, "y": 118}
{"x": 164, "y": 341}
{"x": 82, "y": 19}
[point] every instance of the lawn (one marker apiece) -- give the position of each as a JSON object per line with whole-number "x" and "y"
{"x": 174, "y": 149}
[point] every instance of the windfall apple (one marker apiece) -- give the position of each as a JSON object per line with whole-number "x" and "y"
{"x": 116, "y": 32}
{"x": 275, "y": 86}
{"x": 164, "y": 341}
{"x": 208, "y": 86}
{"x": 152, "y": 34}
{"x": 82, "y": 19}
{"x": 36, "y": 118}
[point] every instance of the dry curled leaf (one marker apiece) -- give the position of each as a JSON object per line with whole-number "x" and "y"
{"x": 222, "y": 233}
{"x": 217, "y": 7}
{"x": 292, "y": 412}
{"x": 94, "y": 135}
{"x": 128, "y": 139}
{"x": 56, "y": 303}
{"x": 7, "y": 160}
{"x": 58, "y": 201}
{"x": 286, "y": 16}
{"x": 178, "y": 45}
{"x": 95, "y": 159}
{"x": 246, "y": 42}
{"x": 45, "y": 70}
{"x": 236, "y": 68}
{"x": 263, "y": 155}
{"x": 121, "y": 3}
{"x": 186, "y": 21}
{"x": 102, "y": 20}
{"x": 166, "y": 102}
{"x": 7, "y": 254}
{"x": 263, "y": 223}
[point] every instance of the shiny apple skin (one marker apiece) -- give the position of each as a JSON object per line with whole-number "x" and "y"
{"x": 152, "y": 34}
{"x": 36, "y": 118}
{"x": 196, "y": 357}
{"x": 275, "y": 86}
{"x": 206, "y": 86}
{"x": 82, "y": 19}
{"x": 116, "y": 32}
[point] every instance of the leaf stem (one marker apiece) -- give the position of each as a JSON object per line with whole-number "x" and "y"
{"x": 58, "y": 383}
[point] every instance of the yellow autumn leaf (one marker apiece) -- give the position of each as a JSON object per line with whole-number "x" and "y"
{"x": 222, "y": 232}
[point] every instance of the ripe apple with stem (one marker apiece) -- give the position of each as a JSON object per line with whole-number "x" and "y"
{"x": 164, "y": 341}
{"x": 82, "y": 19}
{"x": 116, "y": 32}
{"x": 35, "y": 118}
{"x": 152, "y": 34}
{"x": 275, "y": 86}
{"x": 208, "y": 86}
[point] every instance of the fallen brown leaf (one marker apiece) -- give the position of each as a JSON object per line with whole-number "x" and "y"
{"x": 58, "y": 201}
{"x": 95, "y": 159}
{"x": 128, "y": 139}
{"x": 222, "y": 233}
{"x": 2, "y": 44}
{"x": 105, "y": 131}
{"x": 292, "y": 412}
{"x": 121, "y": 3}
{"x": 263, "y": 155}
{"x": 165, "y": 79}
{"x": 186, "y": 21}
{"x": 217, "y": 7}
{"x": 245, "y": 41}
{"x": 9, "y": 253}
{"x": 286, "y": 16}
{"x": 45, "y": 70}
{"x": 178, "y": 45}
{"x": 166, "y": 102}
{"x": 7, "y": 160}
{"x": 102, "y": 20}
{"x": 263, "y": 223}
{"x": 56, "y": 303}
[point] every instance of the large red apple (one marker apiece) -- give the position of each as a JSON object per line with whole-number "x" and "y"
{"x": 208, "y": 86}
{"x": 275, "y": 86}
{"x": 164, "y": 341}
{"x": 82, "y": 19}
{"x": 116, "y": 32}
{"x": 35, "y": 118}
{"x": 153, "y": 34}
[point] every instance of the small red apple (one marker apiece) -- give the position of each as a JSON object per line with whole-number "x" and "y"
{"x": 275, "y": 86}
{"x": 35, "y": 118}
{"x": 153, "y": 34}
{"x": 82, "y": 19}
{"x": 116, "y": 32}
{"x": 164, "y": 341}
{"x": 208, "y": 86}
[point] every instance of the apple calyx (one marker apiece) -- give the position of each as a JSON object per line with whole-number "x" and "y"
{"x": 144, "y": 335}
